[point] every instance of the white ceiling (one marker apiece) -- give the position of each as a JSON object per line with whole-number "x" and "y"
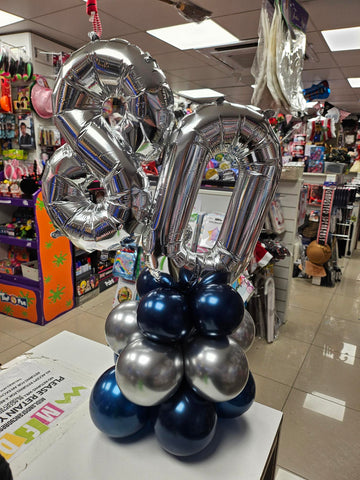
{"x": 66, "y": 22}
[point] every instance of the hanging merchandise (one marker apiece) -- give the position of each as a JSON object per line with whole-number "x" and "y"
{"x": 26, "y": 131}
{"x": 41, "y": 97}
{"x": 319, "y": 91}
{"x": 279, "y": 58}
{"x": 320, "y": 129}
{"x": 5, "y": 95}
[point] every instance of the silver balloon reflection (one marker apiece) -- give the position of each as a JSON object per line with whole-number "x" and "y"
{"x": 245, "y": 138}
{"x": 148, "y": 373}
{"x": 121, "y": 326}
{"x": 217, "y": 369}
{"x": 102, "y": 70}
{"x": 244, "y": 335}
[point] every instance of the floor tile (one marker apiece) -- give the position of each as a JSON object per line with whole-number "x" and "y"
{"x": 348, "y": 287}
{"x": 13, "y": 352}
{"x": 17, "y": 328}
{"x": 7, "y": 341}
{"x": 286, "y": 475}
{"x": 319, "y": 440}
{"x": 84, "y": 323}
{"x": 352, "y": 269}
{"x": 300, "y": 324}
{"x": 316, "y": 303}
{"x": 89, "y": 326}
{"x": 279, "y": 361}
{"x": 342, "y": 336}
{"x": 270, "y": 393}
{"x": 335, "y": 376}
{"x": 345, "y": 307}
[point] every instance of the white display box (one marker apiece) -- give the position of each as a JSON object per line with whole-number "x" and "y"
{"x": 243, "y": 449}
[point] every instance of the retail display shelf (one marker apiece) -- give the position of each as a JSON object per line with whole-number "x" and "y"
{"x": 17, "y": 202}
{"x": 18, "y": 242}
{"x": 19, "y": 280}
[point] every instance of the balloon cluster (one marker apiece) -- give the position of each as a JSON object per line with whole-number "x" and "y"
{"x": 180, "y": 356}
{"x": 180, "y": 351}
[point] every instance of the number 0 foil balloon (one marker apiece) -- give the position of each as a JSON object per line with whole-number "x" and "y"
{"x": 243, "y": 136}
{"x": 96, "y": 72}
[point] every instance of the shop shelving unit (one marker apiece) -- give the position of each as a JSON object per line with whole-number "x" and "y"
{"x": 37, "y": 301}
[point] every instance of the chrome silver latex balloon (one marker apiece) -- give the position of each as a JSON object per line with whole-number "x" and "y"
{"x": 217, "y": 369}
{"x": 121, "y": 326}
{"x": 148, "y": 373}
{"x": 244, "y": 335}
{"x": 101, "y": 70}
{"x": 246, "y": 139}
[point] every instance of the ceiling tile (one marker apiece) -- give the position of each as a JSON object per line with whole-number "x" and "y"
{"x": 198, "y": 73}
{"x": 316, "y": 40}
{"x": 74, "y": 21}
{"x": 238, "y": 91}
{"x": 144, "y": 14}
{"x": 328, "y": 14}
{"x": 242, "y": 25}
{"x": 341, "y": 98}
{"x": 318, "y": 75}
{"x": 228, "y": 7}
{"x": 347, "y": 59}
{"x": 325, "y": 61}
{"x": 34, "y": 8}
{"x": 149, "y": 43}
{"x": 230, "y": 81}
{"x": 178, "y": 60}
{"x": 352, "y": 107}
{"x": 353, "y": 71}
{"x": 29, "y": 26}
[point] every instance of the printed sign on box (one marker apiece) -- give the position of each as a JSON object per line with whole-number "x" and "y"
{"x": 33, "y": 398}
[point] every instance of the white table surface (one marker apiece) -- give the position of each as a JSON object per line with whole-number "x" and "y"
{"x": 76, "y": 450}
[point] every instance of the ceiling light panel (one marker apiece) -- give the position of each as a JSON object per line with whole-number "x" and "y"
{"x": 342, "y": 38}
{"x": 8, "y": 18}
{"x": 200, "y": 93}
{"x": 354, "y": 82}
{"x": 195, "y": 35}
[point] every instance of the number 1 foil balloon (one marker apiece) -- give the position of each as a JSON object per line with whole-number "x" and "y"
{"x": 94, "y": 151}
{"x": 245, "y": 137}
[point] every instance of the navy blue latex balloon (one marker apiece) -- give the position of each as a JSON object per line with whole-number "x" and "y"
{"x": 147, "y": 282}
{"x": 217, "y": 309}
{"x": 163, "y": 315}
{"x": 111, "y": 412}
{"x": 240, "y": 404}
{"x": 214, "y": 277}
{"x": 187, "y": 279}
{"x": 186, "y": 423}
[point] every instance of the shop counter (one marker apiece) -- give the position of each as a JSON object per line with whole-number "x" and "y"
{"x": 70, "y": 447}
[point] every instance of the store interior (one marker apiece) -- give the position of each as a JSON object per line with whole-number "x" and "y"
{"x": 73, "y": 250}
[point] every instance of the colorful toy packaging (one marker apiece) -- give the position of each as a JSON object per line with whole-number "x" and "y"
{"x": 316, "y": 160}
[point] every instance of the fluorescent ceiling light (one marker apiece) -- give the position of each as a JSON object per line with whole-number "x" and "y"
{"x": 342, "y": 38}
{"x": 354, "y": 82}
{"x": 8, "y": 18}
{"x": 194, "y": 35}
{"x": 200, "y": 93}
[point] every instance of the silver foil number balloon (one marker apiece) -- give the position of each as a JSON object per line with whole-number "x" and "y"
{"x": 245, "y": 138}
{"x": 217, "y": 369}
{"x": 121, "y": 326}
{"x": 93, "y": 74}
{"x": 148, "y": 373}
{"x": 244, "y": 335}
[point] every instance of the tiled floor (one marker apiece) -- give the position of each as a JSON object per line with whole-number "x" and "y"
{"x": 311, "y": 372}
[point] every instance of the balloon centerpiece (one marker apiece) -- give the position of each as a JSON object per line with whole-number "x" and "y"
{"x": 180, "y": 349}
